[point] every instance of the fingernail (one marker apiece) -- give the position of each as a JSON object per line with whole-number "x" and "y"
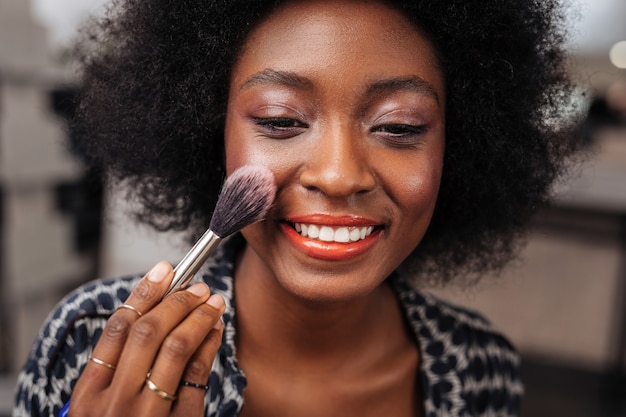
{"x": 218, "y": 325}
{"x": 198, "y": 289}
{"x": 216, "y": 301}
{"x": 159, "y": 272}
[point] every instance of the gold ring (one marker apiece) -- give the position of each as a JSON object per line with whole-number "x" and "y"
{"x": 158, "y": 391}
{"x": 103, "y": 363}
{"x": 131, "y": 308}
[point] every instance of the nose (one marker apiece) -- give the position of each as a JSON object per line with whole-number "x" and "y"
{"x": 340, "y": 164}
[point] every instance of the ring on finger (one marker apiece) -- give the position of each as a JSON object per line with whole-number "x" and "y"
{"x": 103, "y": 363}
{"x": 194, "y": 385}
{"x": 158, "y": 391}
{"x": 131, "y": 308}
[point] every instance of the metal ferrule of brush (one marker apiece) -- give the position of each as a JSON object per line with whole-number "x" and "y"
{"x": 193, "y": 260}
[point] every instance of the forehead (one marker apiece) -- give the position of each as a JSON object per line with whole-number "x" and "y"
{"x": 301, "y": 35}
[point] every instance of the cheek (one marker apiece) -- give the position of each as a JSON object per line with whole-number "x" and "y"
{"x": 242, "y": 151}
{"x": 417, "y": 191}
{"x": 420, "y": 195}
{"x": 243, "y": 147}
{"x": 238, "y": 156}
{"x": 240, "y": 148}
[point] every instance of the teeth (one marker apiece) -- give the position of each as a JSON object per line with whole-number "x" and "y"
{"x": 333, "y": 234}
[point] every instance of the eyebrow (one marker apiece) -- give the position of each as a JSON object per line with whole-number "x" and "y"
{"x": 270, "y": 76}
{"x": 290, "y": 79}
{"x": 413, "y": 83}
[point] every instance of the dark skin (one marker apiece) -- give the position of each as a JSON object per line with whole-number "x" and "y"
{"x": 344, "y": 101}
{"x": 321, "y": 373}
{"x": 175, "y": 339}
{"x": 320, "y": 96}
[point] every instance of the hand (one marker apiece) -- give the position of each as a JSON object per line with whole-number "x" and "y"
{"x": 175, "y": 339}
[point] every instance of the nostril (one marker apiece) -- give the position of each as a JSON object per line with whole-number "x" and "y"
{"x": 337, "y": 183}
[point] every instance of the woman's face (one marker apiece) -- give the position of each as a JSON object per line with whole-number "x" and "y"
{"x": 344, "y": 101}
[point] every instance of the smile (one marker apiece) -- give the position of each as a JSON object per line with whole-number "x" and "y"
{"x": 343, "y": 234}
{"x": 332, "y": 238}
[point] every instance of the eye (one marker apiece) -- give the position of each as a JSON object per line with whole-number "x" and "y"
{"x": 400, "y": 134}
{"x": 280, "y": 127}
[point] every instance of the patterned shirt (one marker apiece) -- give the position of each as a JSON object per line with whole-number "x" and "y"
{"x": 466, "y": 367}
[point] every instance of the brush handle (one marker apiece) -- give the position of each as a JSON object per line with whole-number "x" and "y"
{"x": 193, "y": 260}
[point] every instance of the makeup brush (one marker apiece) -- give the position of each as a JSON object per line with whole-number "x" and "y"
{"x": 245, "y": 198}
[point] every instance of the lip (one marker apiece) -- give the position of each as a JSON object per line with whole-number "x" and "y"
{"x": 331, "y": 251}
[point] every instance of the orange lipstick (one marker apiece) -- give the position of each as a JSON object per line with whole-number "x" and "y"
{"x": 331, "y": 238}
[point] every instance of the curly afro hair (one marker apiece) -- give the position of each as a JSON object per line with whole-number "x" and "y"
{"x": 156, "y": 76}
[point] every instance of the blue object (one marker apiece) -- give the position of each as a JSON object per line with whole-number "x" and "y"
{"x": 65, "y": 410}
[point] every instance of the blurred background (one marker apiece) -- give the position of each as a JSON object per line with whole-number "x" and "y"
{"x": 563, "y": 304}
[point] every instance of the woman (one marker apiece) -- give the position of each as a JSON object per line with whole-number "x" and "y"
{"x": 430, "y": 130}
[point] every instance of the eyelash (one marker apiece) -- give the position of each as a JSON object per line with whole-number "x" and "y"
{"x": 280, "y": 126}
{"x": 398, "y": 135}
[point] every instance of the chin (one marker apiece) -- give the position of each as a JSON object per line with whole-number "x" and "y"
{"x": 329, "y": 288}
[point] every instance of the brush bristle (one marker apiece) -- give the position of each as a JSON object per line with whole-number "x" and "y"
{"x": 245, "y": 198}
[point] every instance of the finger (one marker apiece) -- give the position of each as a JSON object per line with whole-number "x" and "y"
{"x": 123, "y": 388}
{"x": 146, "y": 294}
{"x": 183, "y": 343}
{"x": 148, "y": 334}
{"x": 149, "y": 291}
{"x": 191, "y": 397}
